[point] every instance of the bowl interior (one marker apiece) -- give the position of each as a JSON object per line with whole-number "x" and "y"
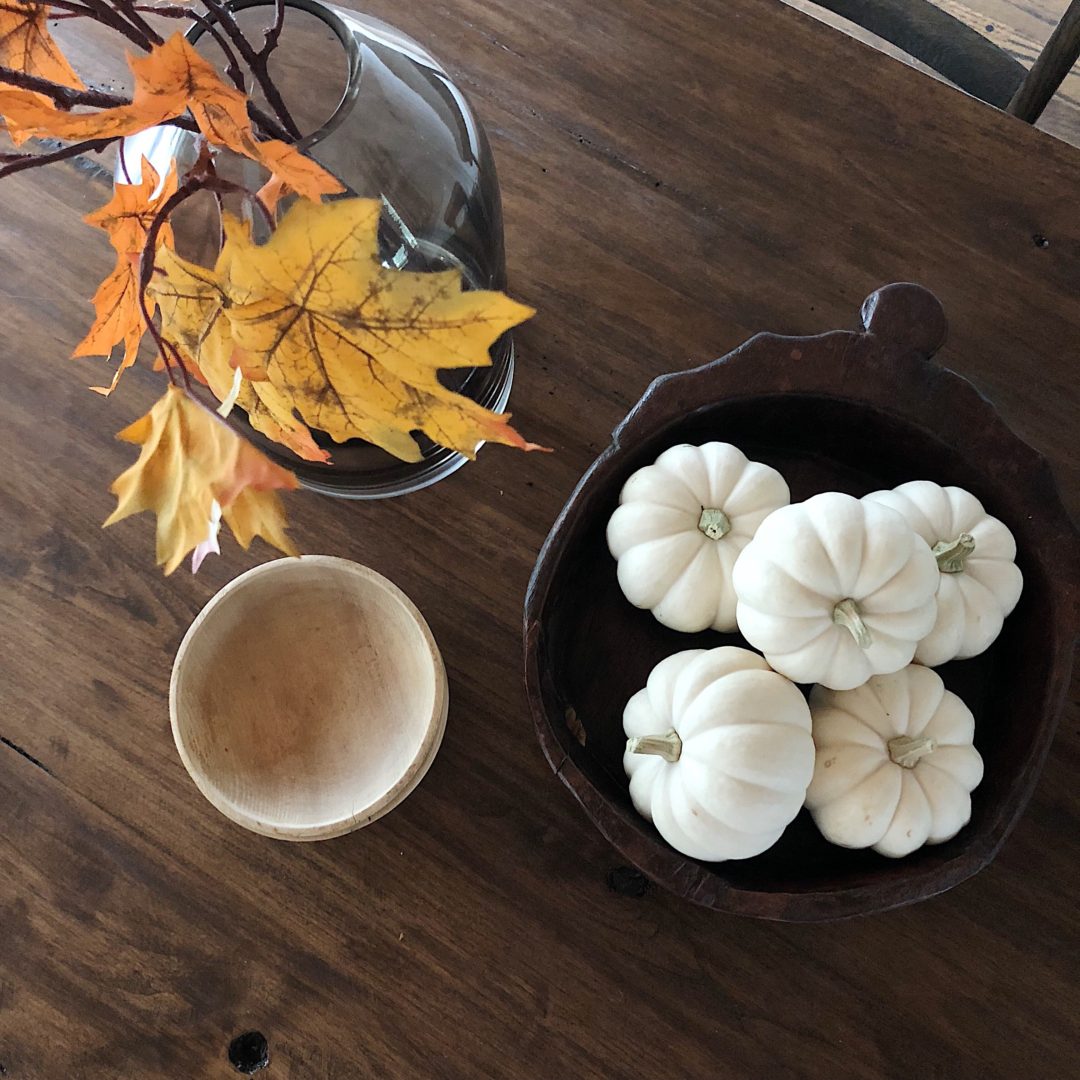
{"x": 305, "y": 696}
{"x": 598, "y": 649}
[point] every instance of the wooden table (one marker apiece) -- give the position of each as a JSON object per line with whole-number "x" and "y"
{"x": 676, "y": 177}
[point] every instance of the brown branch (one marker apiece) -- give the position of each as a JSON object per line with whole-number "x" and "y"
{"x": 272, "y": 34}
{"x": 189, "y": 187}
{"x": 130, "y": 12}
{"x": 106, "y": 14}
{"x": 257, "y": 63}
{"x": 18, "y": 162}
{"x": 64, "y": 96}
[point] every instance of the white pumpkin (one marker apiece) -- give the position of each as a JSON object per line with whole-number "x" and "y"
{"x": 834, "y": 590}
{"x": 979, "y": 581}
{"x": 718, "y": 753}
{"x": 895, "y": 763}
{"x": 679, "y": 527}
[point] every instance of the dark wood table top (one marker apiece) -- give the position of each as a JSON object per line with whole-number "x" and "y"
{"x": 675, "y": 178}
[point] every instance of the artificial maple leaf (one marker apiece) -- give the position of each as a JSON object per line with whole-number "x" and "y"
{"x": 272, "y": 192}
{"x": 271, "y": 413}
{"x": 26, "y": 44}
{"x": 192, "y": 300}
{"x": 159, "y": 95}
{"x": 118, "y": 318}
{"x": 169, "y": 80}
{"x": 258, "y": 513}
{"x": 354, "y": 347}
{"x": 189, "y": 459}
{"x": 126, "y": 217}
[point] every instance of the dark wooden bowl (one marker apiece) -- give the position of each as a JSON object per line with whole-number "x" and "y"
{"x": 845, "y": 411}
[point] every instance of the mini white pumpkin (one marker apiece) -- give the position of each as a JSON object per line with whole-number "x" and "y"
{"x": 834, "y": 590}
{"x": 680, "y": 525}
{"x": 895, "y": 763}
{"x": 718, "y": 753}
{"x": 979, "y": 584}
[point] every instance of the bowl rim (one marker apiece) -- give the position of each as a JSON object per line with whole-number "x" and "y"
{"x": 421, "y": 760}
{"x": 907, "y": 325}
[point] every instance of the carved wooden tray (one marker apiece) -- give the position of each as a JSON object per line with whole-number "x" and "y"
{"x": 844, "y": 411}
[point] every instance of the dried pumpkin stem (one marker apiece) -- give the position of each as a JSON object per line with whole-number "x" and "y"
{"x": 668, "y": 746}
{"x": 952, "y": 554}
{"x": 846, "y": 614}
{"x": 906, "y": 751}
{"x": 714, "y": 523}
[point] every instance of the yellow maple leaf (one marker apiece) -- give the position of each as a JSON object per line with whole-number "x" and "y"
{"x": 190, "y": 459}
{"x": 192, "y": 300}
{"x": 169, "y": 80}
{"x": 26, "y": 44}
{"x": 271, "y": 413}
{"x": 258, "y": 513}
{"x": 354, "y": 347}
{"x": 126, "y": 217}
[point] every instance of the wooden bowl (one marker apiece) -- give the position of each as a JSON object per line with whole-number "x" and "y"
{"x": 308, "y": 698}
{"x": 844, "y": 411}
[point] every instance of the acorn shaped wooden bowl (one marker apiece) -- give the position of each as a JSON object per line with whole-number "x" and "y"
{"x": 845, "y": 411}
{"x": 308, "y": 698}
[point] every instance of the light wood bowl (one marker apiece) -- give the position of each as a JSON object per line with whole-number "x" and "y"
{"x": 308, "y": 698}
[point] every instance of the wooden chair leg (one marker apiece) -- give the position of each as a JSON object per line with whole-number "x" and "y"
{"x": 941, "y": 41}
{"x": 1050, "y": 68}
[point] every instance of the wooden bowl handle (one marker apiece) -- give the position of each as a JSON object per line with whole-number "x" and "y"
{"x": 907, "y": 315}
{"x": 900, "y": 322}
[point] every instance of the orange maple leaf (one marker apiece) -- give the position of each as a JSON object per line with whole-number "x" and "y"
{"x": 118, "y": 318}
{"x": 169, "y": 80}
{"x": 126, "y": 217}
{"x": 26, "y": 44}
{"x": 272, "y": 192}
{"x": 189, "y": 460}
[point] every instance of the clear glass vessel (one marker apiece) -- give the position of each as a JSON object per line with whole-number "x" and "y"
{"x": 385, "y": 118}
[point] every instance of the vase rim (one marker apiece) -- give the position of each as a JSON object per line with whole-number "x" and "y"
{"x": 329, "y": 16}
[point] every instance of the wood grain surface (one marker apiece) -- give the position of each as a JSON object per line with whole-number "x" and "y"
{"x": 671, "y": 185}
{"x": 1020, "y": 27}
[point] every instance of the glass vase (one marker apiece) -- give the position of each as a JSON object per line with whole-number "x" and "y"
{"x": 383, "y": 116}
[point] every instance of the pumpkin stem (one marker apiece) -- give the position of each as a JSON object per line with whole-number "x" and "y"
{"x": 846, "y": 614}
{"x": 668, "y": 746}
{"x": 906, "y": 751}
{"x": 952, "y": 554}
{"x": 714, "y": 523}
